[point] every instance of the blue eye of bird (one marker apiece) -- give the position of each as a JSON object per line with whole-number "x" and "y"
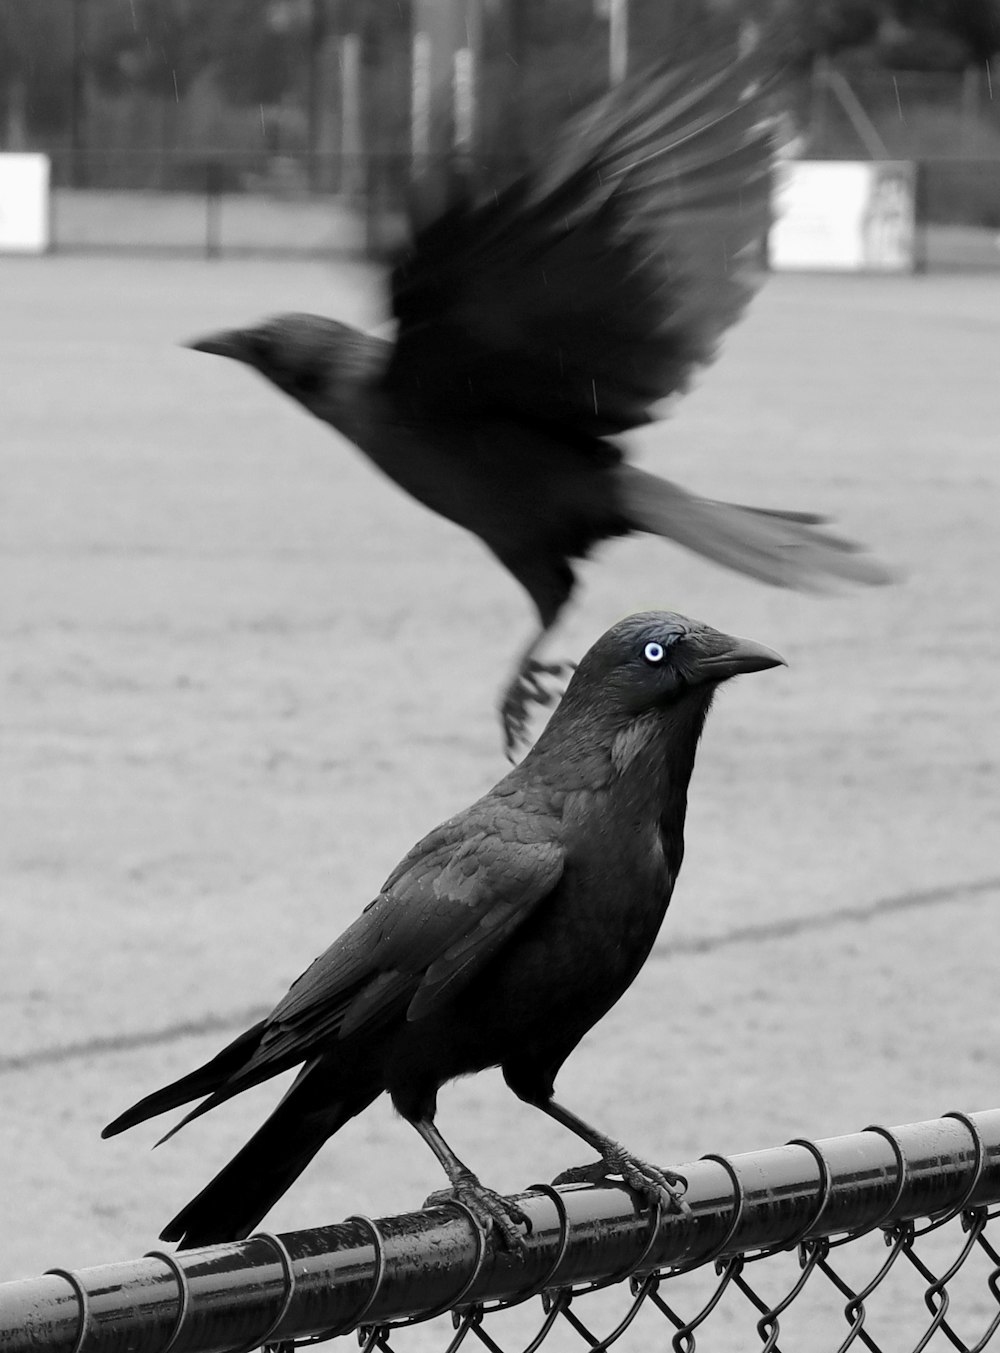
{"x": 653, "y": 652}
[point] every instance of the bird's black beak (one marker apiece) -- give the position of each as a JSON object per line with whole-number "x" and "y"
{"x": 230, "y": 343}
{"x": 715, "y": 657}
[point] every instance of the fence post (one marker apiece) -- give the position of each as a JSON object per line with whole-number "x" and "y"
{"x": 314, "y": 88}
{"x": 213, "y": 209}
{"x": 920, "y": 261}
{"x": 77, "y": 97}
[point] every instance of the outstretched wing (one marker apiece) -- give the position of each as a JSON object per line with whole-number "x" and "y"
{"x": 587, "y": 290}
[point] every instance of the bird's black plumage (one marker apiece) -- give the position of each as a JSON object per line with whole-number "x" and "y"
{"x": 499, "y": 940}
{"x": 538, "y": 321}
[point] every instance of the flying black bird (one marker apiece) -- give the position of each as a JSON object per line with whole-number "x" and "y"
{"x": 537, "y": 322}
{"x": 499, "y": 940}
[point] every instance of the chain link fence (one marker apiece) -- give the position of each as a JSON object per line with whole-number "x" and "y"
{"x": 334, "y": 206}
{"x": 880, "y": 1240}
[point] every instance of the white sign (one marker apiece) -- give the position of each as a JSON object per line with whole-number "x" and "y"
{"x": 841, "y": 214}
{"x": 24, "y": 203}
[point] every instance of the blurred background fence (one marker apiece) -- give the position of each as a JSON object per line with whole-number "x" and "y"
{"x": 245, "y": 202}
{"x": 289, "y": 125}
{"x": 877, "y": 1240}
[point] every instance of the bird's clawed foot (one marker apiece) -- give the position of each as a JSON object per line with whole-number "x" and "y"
{"x": 491, "y": 1210}
{"x": 660, "y": 1186}
{"x": 530, "y": 686}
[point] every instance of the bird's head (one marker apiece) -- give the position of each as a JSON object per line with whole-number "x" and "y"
{"x": 651, "y": 673}
{"x": 656, "y": 658}
{"x": 303, "y": 355}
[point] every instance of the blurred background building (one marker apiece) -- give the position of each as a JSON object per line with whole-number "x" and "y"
{"x": 320, "y": 99}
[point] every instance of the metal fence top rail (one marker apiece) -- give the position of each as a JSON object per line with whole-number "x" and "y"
{"x": 329, "y": 1281}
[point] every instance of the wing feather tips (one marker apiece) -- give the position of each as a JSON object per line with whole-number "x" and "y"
{"x": 204, "y": 1080}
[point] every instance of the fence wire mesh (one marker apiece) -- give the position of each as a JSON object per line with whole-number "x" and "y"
{"x": 867, "y": 1302}
{"x": 879, "y": 1240}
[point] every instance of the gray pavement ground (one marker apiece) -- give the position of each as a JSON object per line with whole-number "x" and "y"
{"x": 242, "y": 674}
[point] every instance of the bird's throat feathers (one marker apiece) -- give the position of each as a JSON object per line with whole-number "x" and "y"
{"x": 636, "y": 742}
{"x": 660, "y": 744}
{"x": 652, "y": 752}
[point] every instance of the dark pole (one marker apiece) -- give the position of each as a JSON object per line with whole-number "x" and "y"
{"x": 213, "y": 209}
{"x": 314, "y": 111}
{"x": 510, "y": 39}
{"x": 77, "y": 94}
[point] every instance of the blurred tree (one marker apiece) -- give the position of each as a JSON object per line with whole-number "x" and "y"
{"x": 162, "y": 46}
{"x": 147, "y": 45}
{"x": 543, "y": 58}
{"x": 540, "y": 58}
{"x": 36, "y": 60}
{"x": 263, "y": 52}
{"x": 258, "y": 49}
{"x": 823, "y": 27}
{"x": 903, "y": 34}
{"x": 681, "y": 28}
{"x": 940, "y": 34}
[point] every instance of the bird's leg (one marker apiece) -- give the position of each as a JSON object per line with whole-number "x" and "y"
{"x": 490, "y": 1209}
{"x": 526, "y": 687}
{"x": 660, "y": 1186}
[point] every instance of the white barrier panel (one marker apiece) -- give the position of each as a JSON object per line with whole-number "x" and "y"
{"x": 841, "y": 214}
{"x": 24, "y": 203}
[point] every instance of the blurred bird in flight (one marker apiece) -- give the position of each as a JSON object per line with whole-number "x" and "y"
{"x": 538, "y": 322}
{"x": 499, "y": 940}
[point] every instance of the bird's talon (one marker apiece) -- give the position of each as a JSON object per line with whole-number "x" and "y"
{"x": 491, "y": 1211}
{"x": 528, "y": 688}
{"x": 664, "y": 1187}
{"x": 583, "y": 1174}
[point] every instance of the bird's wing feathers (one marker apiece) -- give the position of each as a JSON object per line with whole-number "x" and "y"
{"x": 506, "y": 883}
{"x": 442, "y": 914}
{"x": 588, "y": 290}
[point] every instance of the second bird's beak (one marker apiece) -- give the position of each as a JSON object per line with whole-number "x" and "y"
{"x": 230, "y": 343}
{"x": 717, "y": 657}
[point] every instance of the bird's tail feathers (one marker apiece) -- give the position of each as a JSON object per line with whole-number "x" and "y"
{"x": 786, "y": 549}
{"x": 205, "y": 1080}
{"x": 233, "y": 1203}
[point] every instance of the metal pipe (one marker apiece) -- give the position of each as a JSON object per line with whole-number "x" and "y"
{"x": 337, "y": 1277}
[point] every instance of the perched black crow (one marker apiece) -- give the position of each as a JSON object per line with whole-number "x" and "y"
{"x": 538, "y": 322}
{"x": 499, "y": 940}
